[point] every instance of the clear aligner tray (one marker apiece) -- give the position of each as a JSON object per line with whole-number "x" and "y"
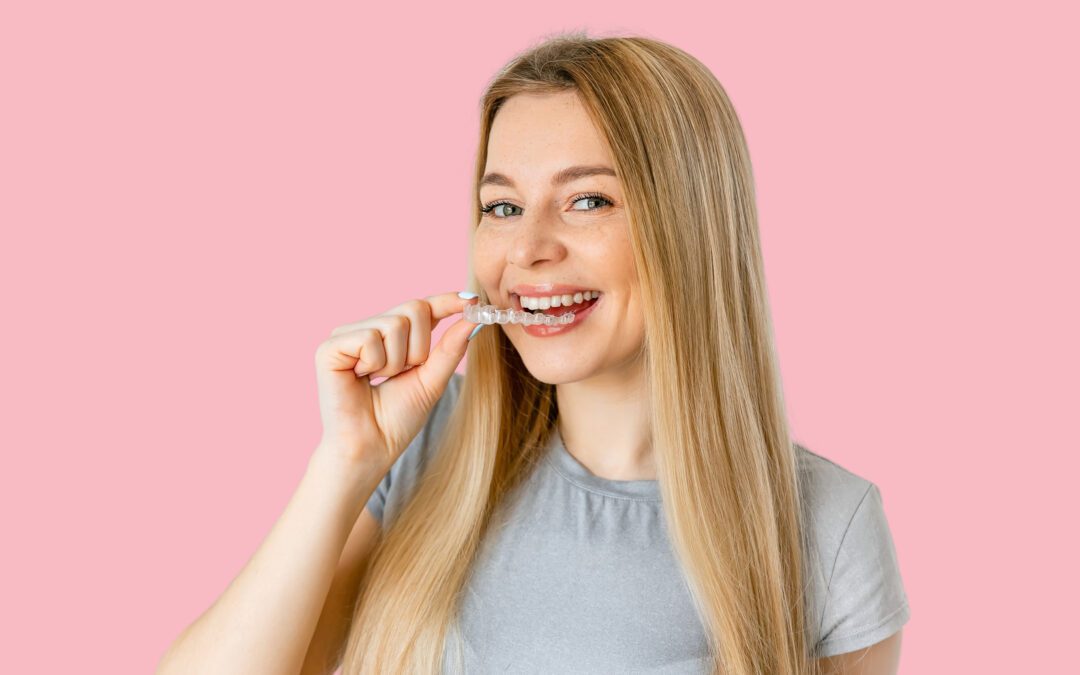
{"x": 489, "y": 314}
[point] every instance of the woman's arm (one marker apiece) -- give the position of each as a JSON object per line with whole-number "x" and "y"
{"x": 882, "y": 658}
{"x": 327, "y": 646}
{"x": 264, "y": 621}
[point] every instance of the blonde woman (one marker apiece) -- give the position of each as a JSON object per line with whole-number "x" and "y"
{"x": 617, "y": 494}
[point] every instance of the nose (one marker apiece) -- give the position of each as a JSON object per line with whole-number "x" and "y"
{"x": 535, "y": 241}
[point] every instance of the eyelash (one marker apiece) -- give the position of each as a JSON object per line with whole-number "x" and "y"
{"x": 487, "y": 208}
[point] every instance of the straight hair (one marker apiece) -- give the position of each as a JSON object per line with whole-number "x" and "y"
{"x": 728, "y": 479}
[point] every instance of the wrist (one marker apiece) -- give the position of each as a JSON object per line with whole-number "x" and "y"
{"x": 336, "y": 471}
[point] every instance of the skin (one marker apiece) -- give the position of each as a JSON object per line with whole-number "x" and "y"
{"x": 549, "y": 233}
{"x": 882, "y": 658}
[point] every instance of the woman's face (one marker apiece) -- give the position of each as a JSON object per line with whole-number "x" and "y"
{"x": 548, "y": 233}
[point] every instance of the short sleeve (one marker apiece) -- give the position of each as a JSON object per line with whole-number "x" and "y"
{"x": 866, "y": 601}
{"x": 396, "y": 486}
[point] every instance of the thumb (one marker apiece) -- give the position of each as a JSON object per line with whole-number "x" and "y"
{"x": 445, "y": 356}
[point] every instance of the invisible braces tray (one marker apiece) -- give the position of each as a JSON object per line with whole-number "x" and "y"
{"x": 489, "y": 314}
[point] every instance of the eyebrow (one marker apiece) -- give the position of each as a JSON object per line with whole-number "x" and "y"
{"x": 567, "y": 175}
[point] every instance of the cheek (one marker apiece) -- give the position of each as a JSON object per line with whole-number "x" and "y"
{"x": 488, "y": 256}
{"x": 616, "y": 259}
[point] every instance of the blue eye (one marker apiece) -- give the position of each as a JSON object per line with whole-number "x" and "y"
{"x": 487, "y": 208}
{"x": 591, "y": 197}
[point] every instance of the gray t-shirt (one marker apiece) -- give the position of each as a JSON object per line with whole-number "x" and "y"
{"x": 579, "y": 576}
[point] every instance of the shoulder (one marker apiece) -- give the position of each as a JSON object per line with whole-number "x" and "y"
{"x": 831, "y": 494}
{"x": 859, "y": 593}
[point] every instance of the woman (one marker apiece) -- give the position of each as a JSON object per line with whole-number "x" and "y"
{"x": 618, "y": 494}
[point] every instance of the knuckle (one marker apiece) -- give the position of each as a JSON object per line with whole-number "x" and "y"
{"x": 343, "y": 328}
{"x": 370, "y": 337}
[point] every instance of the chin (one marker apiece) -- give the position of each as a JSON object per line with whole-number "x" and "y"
{"x": 558, "y": 373}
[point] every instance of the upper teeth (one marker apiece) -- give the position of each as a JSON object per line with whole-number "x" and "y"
{"x": 557, "y": 300}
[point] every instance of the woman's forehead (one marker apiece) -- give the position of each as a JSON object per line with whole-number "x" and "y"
{"x": 534, "y": 137}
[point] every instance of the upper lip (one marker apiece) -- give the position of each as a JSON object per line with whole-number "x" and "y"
{"x": 544, "y": 290}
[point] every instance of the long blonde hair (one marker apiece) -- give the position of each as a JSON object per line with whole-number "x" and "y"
{"x": 729, "y": 481}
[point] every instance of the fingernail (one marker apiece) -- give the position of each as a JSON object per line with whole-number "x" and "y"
{"x": 465, "y": 295}
{"x": 476, "y": 330}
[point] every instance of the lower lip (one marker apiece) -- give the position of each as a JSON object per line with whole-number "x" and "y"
{"x": 559, "y": 329}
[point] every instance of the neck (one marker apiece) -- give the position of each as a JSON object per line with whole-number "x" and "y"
{"x": 604, "y": 422}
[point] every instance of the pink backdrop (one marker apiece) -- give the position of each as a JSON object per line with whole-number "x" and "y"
{"x": 193, "y": 196}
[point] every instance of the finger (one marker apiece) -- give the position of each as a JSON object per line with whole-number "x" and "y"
{"x": 446, "y": 304}
{"x": 357, "y": 352}
{"x": 407, "y": 333}
{"x": 445, "y": 357}
{"x": 394, "y": 329}
{"x": 437, "y": 307}
{"x": 418, "y": 341}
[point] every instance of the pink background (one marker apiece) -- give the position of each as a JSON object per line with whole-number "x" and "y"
{"x": 193, "y": 196}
